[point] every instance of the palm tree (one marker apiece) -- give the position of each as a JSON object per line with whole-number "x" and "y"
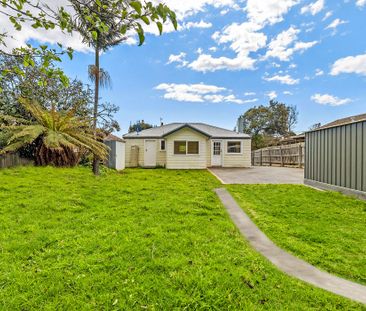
{"x": 60, "y": 137}
{"x": 104, "y": 24}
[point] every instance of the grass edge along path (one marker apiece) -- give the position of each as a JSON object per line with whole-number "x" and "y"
{"x": 326, "y": 229}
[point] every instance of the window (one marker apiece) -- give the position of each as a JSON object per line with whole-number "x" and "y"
{"x": 162, "y": 145}
{"x": 180, "y": 147}
{"x": 186, "y": 147}
{"x": 233, "y": 147}
{"x": 193, "y": 147}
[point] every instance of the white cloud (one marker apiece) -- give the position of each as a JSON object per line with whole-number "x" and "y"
{"x": 287, "y": 79}
{"x": 242, "y": 39}
{"x": 292, "y": 66}
{"x": 191, "y": 7}
{"x": 266, "y": 12}
{"x": 200, "y": 24}
{"x": 361, "y": 3}
{"x": 198, "y": 93}
{"x": 351, "y": 64}
{"x": 330, "y": 100}
{"x": 207, "y": 63}
{"x": 313, "y": 8}
{"x": 287, "y": 93}
{"x": 280, "y": 46}
{"x": 327, "y": 15}
{"x": 249, "y": 94}
{"x": 179, "y": 58}
{"x": 250, "y": 101}
{"x": 213, "y": 48}
{"x": 337, "y": 22}
{"x": 319, "y": 72}
{"x": 272, "y": 95}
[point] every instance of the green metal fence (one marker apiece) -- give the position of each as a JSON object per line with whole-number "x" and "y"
{"x": 337, "y": 156}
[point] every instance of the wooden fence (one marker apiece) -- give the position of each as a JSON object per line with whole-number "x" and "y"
{"x": 13, "y": 159}
{"x": 286, "y": 155}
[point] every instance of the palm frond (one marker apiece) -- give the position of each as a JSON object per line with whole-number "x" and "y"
{"x": 105, "y": 80}
{"x": 62, "y": 135}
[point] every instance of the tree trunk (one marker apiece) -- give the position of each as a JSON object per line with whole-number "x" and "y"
{"x": 96, "y": 160}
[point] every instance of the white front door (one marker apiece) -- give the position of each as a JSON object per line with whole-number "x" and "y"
{"x": 150, "y": 153}
{"x": 216, "y": 159}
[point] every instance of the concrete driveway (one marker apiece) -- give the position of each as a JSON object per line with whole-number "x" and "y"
{"x": 259, "y": 175}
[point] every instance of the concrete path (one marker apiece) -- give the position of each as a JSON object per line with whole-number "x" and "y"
{"x": 259, "y": 175}
{"x": 286, "y": 262}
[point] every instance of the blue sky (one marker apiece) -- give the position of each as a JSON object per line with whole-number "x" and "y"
{"x": 230, "y": 56}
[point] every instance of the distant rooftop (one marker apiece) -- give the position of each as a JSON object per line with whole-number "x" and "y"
{"x": 344, "y": 121}
{"x": 112, "y": 137}
{"x": 205, "y": 129}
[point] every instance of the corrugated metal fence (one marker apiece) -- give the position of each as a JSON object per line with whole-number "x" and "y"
{"x": 13, "y": 159}
{"x": 337, "y": 156}
{"x": 286, "y": 155}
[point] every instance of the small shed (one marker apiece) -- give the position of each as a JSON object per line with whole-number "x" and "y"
{"x": 335, "y": 156}
{"x": 117, "y": 154}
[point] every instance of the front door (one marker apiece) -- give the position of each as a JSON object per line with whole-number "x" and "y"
{"x": 216, "y": 159}
{"x": 150, "y": 153}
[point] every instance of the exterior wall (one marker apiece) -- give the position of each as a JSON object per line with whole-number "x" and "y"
{"x": 140, "y": 142}
{"x": 161, "y": 155}
{"x": 337, "y": 156}
{"x": 116, "y": 158}
{"x": 201, "y": 161}
{"x": 237, "y": 160}
{"x": 198, "y": 161}
{"x": 129, "y": 144}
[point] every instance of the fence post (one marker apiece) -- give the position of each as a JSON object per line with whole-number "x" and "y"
{"x": 270, "y": 156}
{"x": 300, "y": 156}
{"x": 282, "y": 164}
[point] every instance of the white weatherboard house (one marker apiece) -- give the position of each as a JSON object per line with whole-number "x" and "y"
{"x": 187, "y": 146}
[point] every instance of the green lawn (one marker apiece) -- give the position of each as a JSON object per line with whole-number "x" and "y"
{"x": 139, "y": 240}
{"x": 326, "y": 229}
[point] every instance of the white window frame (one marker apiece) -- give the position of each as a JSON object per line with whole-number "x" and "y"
{"x": 232, "y": 141}
{"x": 187, "y": 154}
{"x": 162, "y": 140}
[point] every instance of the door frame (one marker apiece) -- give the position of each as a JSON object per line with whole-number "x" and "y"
{"x": 216, "y": 157}
{"x": 153, "y": 154}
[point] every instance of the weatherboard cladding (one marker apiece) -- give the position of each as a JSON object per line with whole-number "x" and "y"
{"x": 337, "y": 156}
{"x": 205, "y": 129}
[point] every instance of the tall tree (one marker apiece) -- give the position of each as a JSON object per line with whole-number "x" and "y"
{"x": 268, "y": 123}
{"x": 34, "y": 84}
{"x": 139, "y": 126}
{"x": 104, "y": 24}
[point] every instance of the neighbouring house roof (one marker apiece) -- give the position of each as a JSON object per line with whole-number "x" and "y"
{"x": 344, "y": 121}
{"x": 205, "y": 129}
{"x": 112, "y": 137}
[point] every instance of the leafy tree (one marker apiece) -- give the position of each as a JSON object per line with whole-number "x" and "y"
{"x": 60, "y": 137}
{"x": 266, "y": 123}
{"x": 39, "y": 15}
{"x": 139, "y": 126}
{"x": 104, "y": 24}
{"x": 34, "y": 84}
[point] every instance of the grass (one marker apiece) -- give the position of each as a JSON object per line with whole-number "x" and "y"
{"x": 139, "y": 240}
{"x": 326, "y": 229}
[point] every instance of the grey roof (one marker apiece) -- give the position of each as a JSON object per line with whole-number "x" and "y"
{"x": 112, "y": 137}
{"x": 205, "y": 129}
